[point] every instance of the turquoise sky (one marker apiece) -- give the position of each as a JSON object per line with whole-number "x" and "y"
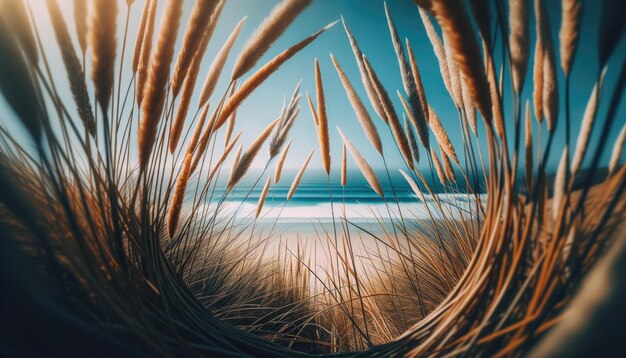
{"x": 366, "y": 19}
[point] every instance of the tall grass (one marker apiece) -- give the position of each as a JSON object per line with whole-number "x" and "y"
{"x": 128, "y": 254}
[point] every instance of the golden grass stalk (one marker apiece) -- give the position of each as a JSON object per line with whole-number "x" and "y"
{"x": 103, "y": 46}
{"x": 176, "y": 205}
{"x": 420, "y": 91}
{"x": 568, "y": 35}
{"x": 158, "y": 75}
{"x": 18, "y": 19}
{"x": 586, "y": 126}
{"x": 80, "y": 20}
{"x": 438, "y": 49}
{"x": 322, "y": 119}
{"x": 550, "y": 91}
{"x": 298, "y": 178}
{"x": 457, "y": 28}
{"x": 538, "y": 81}
{"x": 344, "y": 167}
{"x": 266, "y": 34}
{"x": 144, "y": 55}
{"x": 73, "y": 66}
{"x": 312, "y": 108}
{"x": 218, "y": 64}
{"x": 243, "y": 164}
{"x": 281, "y": 163}
{"x": 470, "y": 111}
{"x": 390, "y": 114}
{"x": 413, "y": 185}
{"x": 259, "y": 205}
{"x": 141, "y": 31}
{"x": 438, "y": 168}
{"x": 618, "y": 148}
{"x": 528, "y": 141}
{"x": 369, "y": 90}
{"x": 441, "y": 135}
{"x": 447, "y": 166}
{"x": 407, "y": 76}
{"x": 262, "y": 74}
{"x": 519, "y": 42}
{"x": 359, "y": 108}
{"x": 199, "y": 20}
{"x": 412, "y": 140}
{"x": 365, "y": 168}
{"x": 560, "y": 184}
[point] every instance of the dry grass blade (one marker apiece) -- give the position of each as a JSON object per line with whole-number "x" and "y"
{"x": 442, "y": 136}
{"x": 519, "y": 42}
{"x": 176, "y": 205}
{"x": 438, "y": 168}
{"x": 80, "y": 19}
{"x": 74, "y": 69}
{"x": 456, "y": 26}
{"x": 365, "y": 168}
{"x": 322, "y": 119}
{"x": 528, "y": 140}
{"x": 298, "y": 178}
{"x": 201, "y": 17}
{"x": 618, "y": 148}
{"x": 243, "y": 164}
{"x": 281, "y": 163}
{"x": 266, "y": 34}
{"x": 359, "y": 109}
{"x": 412, "y": 140}
{"x": 227, "y": 151}
{"x": 158, "y": 75}
{"x": 144, "y": 54}
{"x": 560, "y": 184}
{"x": 586, "y": 126}
{"x": 568, "y": 35}
{"x": 141, "y": 31}
{"x": 344, "y": 167}
{"x": 262, "y": 74}
{"x": 103, "y": 46}
{"x": 259, "y": 205}
{"x": 218, "y": 64}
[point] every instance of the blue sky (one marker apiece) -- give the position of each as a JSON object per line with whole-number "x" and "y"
{"x": 366, "y": 19}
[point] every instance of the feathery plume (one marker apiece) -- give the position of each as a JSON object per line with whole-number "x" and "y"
{"x": 72, "y": 64}
{"x": 457, "y": 28}
{"x": 586, "y": 126}
{"x": 158, "y": 74}
{"x": 365, "y": 168}
{"x": 322, "y": 119}
{"x": 442, "y": 137}
{"x": 344, "y": 167}
{"x": 196, "y": 29}
{"x": 618, "y": 148}
{"x": 447, "y": 166}
{"x": 440, "y": 173}
{"x": 266, "y": 34}
{"x": 496, "y": 106}
{"x": 413, "y": 185}
{"x": 470, "y": 111}
{"x": 568, "y": 35}
{"x": 296, "y": 180}
{"x": 103, "y": 49}
{"x": 519, "y": 42}
{"x": 359, "y": 109}
{"x": 281, "y": 163}
{"x": 358, "y": 55}
{"x": 262, "y": 74}
{"x": 312, "y": 108}
{"x": 412, "y": 140}
{"x": 455, "y": 77}
{"x": 259, "y": 205}
{"x": 528, "y": 148}
{"x": 80, "y": 20}
{"x": 176, "y": 205}
{"x": 538, "y": 81}
{"x": 438, "y": 49}
{"x": 144, "y": 55}
{"x": 420, "y": 91}
{"x": 243, "y": 164}
{"x": 141, "y": 31}
{"x": 218, "y": 64}
{"x": 559, "y": 184}
{"x": 550, "y": 91}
